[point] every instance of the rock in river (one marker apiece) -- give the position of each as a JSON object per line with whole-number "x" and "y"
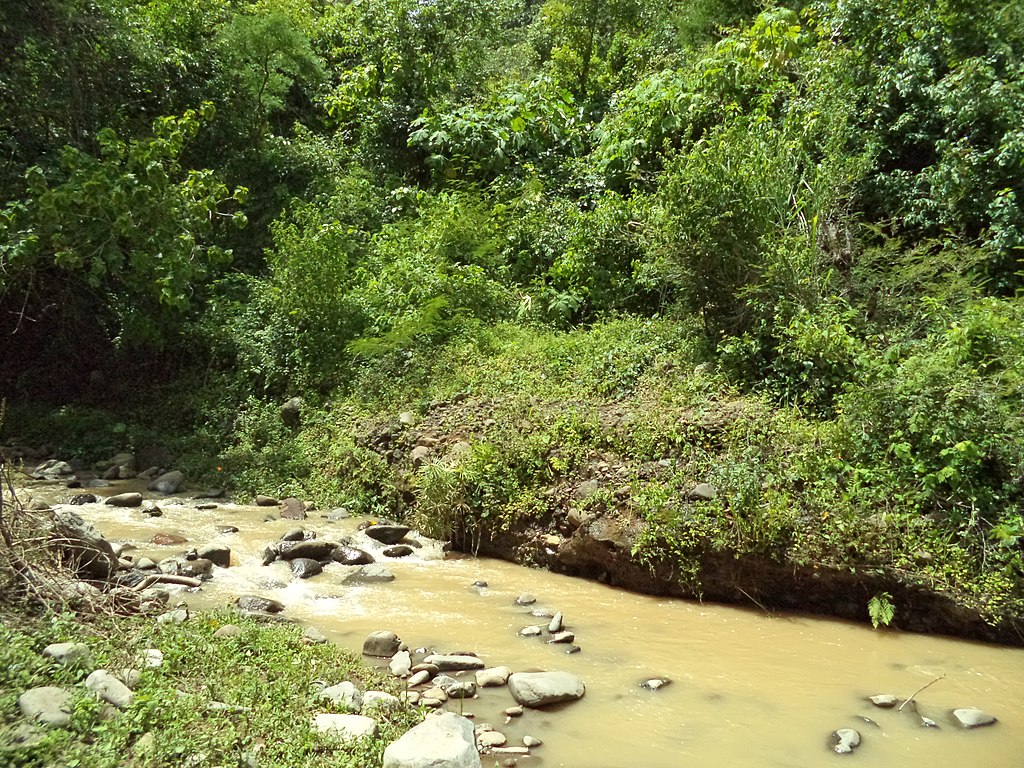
{"x": 973, "y": 718}
{"x": 655, "y": 683}
{"x": 125, "y": 500}
{"x": 454, "y": 663}
{"x": 884, "y": 700}
{"x": 399, "y": 550}
{"x": 369, "y": 574}
{"x": 218, "y": 554}
{"x": 315, "y": 549}
{"x": 306, "y": 568}
{"x": 387, "y": 534}
{"x": 493, "y": 677}
{"x": 259, "y": 604}
{"x": 538, "y": 689}
{"x": 293, "y": 509}
{"x": 347, "y": 555}
{"x": 845, "y": 740}
{"x": 382, "y": 644}
{"x": 168, "y": 483}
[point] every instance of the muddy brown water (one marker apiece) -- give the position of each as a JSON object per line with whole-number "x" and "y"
{"x": 747, "y": 688}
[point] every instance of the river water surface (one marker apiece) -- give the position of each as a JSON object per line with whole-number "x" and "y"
{"x": 748, "y": 689}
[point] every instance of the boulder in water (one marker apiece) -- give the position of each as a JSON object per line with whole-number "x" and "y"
{"x": 168, "y": 483}
{"x": 370, "y": 574}
{"x": 539, "y": 689}
{"x": 306, "y": 568}
{"x": 387, "y": 534}
{"x": 347, "y": 555}
{"x": 382, "y": 644}
{"x": 845, "y": 740}
{"x": 315, "y": 549}
{"x": 973, "y": 718}
{"x": 218, "y": 554}
{"x": 293, "y": 509}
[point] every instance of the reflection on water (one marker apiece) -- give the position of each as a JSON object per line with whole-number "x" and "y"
{"x": 748, "y": 689}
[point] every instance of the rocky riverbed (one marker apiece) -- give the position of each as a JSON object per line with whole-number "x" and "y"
{"x": 691, "y": 678}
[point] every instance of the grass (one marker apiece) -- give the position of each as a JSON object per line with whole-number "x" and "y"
{"x": 267, "y": 670}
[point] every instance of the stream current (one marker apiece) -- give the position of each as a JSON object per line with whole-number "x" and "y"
{"x": 748, "y": 688}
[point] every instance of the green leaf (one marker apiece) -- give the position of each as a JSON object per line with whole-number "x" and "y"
{"x": 881, "y": 610}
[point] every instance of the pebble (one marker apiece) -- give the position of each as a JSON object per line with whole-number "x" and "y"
{"x": 526, "y": 599}
{"x": 531, "y": 631}
{"x": 488, "y": 739}
{"x": 655, "y": 683}
{"x": 555, "y": 624}
{"x": 531, "y": 741}
{"x": 514, "y": 712}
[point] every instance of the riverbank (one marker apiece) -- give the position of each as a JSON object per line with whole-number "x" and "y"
{"x": 621, "y": 453}
{"x": 741, "y": 680}
{"x": 198, "y": 694}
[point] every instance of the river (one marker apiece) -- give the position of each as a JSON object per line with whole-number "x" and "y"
{"x": 747, "y": 688}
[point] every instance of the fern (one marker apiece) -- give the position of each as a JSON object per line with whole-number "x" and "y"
{"x": 881, "y": 610}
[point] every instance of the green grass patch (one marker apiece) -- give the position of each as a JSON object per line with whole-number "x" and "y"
{"x": 267, "y": 673}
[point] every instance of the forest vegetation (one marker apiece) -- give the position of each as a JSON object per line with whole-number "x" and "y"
{"x": 806, "y": 214}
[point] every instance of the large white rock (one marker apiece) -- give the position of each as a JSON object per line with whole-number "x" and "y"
{"x": 345, "y": 727}
{"x": 538, "y": 689}
{"x": 454, "y": 663}
{"x": 344, "y": 696}
{"x": 110, "y": 689}
{"x": 69, "y": 654}
{"x": 445, "y": 740}
{"x": 973, "y": 718}
{"x": 400, "y": 664}
{"x": 495, "y": 676}
{"x": 48, "y": 705}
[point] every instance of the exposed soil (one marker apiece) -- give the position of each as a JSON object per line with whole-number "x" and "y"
{"x": 599, "y": 544}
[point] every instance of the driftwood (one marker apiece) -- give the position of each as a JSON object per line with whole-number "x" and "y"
{"x": 166, "y": 578}
{"x": 926, "y": 685}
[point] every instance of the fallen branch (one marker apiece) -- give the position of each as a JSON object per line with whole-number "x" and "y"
{"x": 926, "y": 685}
{"x": 166, "y": 578}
